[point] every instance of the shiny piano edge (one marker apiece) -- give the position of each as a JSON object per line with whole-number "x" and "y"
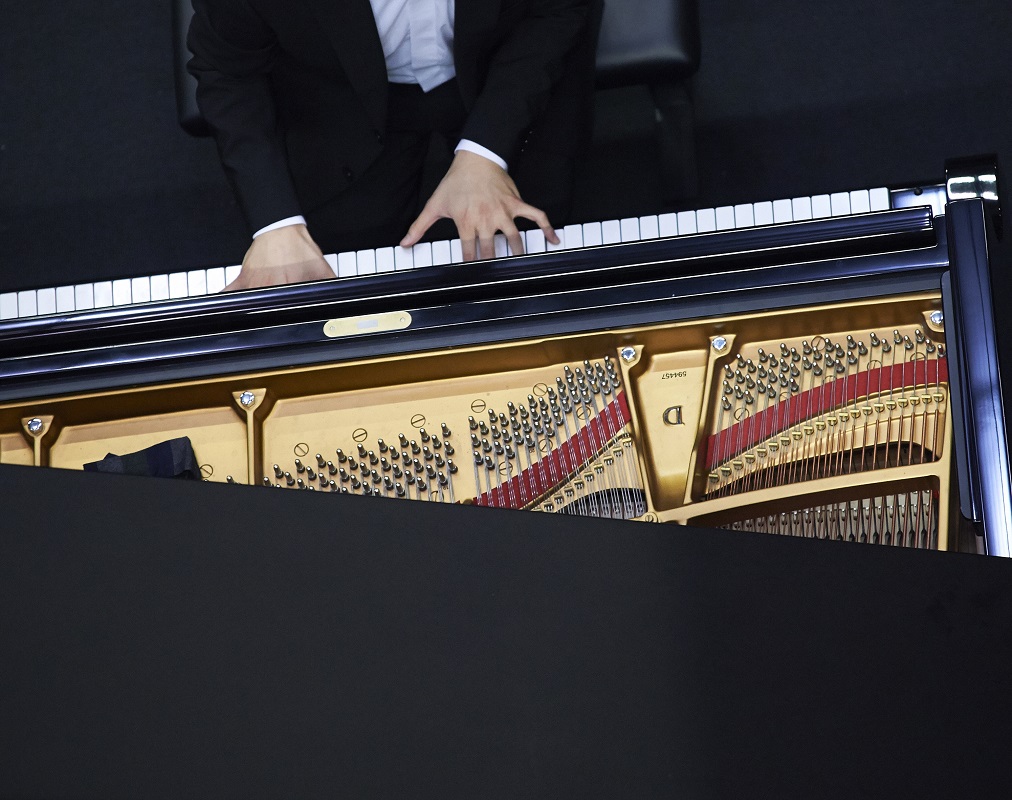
{"x": 124, "y": 352}
{"x": 982, "y": 444}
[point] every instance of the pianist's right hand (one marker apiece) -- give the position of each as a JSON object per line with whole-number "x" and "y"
{"x": 284, "y": 255}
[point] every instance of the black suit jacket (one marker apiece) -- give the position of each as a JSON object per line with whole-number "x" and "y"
{"x": 296, "y": 90}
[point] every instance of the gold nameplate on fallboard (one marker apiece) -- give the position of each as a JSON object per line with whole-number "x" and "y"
{"x": 370, "y": 323}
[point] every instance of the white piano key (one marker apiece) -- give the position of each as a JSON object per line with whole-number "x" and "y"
{"x": 46, "y": 300}
{"x": 591, "y": 234}
{"x": 103, "y": 293}
{"x": 687, "y": 223}
{"x": 649, "y": 228}
{"x": 441, "y": 253}
{"x": 574, "y": 236}
{"x": 763, "y": 212}
{"x": 385, "y": 259}
{"x": 783, "y": 211}
{"x": 9, "y": 305}
{"x": 561, "y": 235}
{"x": 347, "y": 265}
{"x": 725, "y": 218}
{"x": 366, "y": 262}
{"x": 500, "y": 244}
{"x": 611, "y": 231}
{"x": 159, "y": 288}
{"x": 421, "y": 254}
{"x": 840, "y": 203}
{"x": 706, "y": 220}
{"x": 64, "y": 299}
{"x": 630, "y": 229}
{"x": 878, "y": 199}
{"x": 821, "y": 206}
{"x": 84, "y": 296}
{"x": 860, "y": 202}
{"x": 177, "y": 286}
{"x": 196, "y": 283}
{"x": 215, "y": 281}
{"x": 536, "y": 241}
{"x": 121, "y": 294}
{"x": 801, "y": 208}
{"x": 668, "y": 224}
{"x": 403, "y": 258}
{"x": 27, "y": 304}
{"x": 456, "y": 251}
{"x": 330, "y": 258}
{"x": 140, "y": 288}
{"x": 743, "y": 216}
{"x": 231, "y": 273}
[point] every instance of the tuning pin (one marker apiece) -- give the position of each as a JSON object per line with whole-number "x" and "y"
{"x": 361, "y": 450}
{"x": 861, "y": 349}
{"x": 299, "y": 466}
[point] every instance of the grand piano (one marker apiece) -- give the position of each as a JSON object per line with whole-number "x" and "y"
{"x": 805, "y": 404}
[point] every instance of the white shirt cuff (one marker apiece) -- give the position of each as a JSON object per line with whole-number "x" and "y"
{"x": 474, "y": 147}
{"x": 281, "y": 223}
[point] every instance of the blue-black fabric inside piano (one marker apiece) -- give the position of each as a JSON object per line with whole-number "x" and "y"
{"x": 170, "y": 459}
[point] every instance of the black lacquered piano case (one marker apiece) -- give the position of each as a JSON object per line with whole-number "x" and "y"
{"x": 834, "y": 379}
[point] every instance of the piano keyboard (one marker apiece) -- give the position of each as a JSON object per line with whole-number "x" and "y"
{"x": 194, "y": 283}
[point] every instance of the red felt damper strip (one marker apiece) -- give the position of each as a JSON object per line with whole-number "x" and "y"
{"x": 541, "y": 477}
{"x": 812, "y": 403}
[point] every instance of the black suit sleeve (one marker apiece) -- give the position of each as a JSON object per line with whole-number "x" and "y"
{"x": 524, "y": 69}
{"x": 233, "y": 51}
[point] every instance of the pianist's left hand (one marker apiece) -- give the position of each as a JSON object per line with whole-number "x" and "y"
{"x": 481, "y": 199}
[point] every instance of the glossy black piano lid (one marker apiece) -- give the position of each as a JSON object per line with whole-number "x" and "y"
{"x": 566, "y": 270}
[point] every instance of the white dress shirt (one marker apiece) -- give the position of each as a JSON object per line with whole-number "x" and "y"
{"x": 417, "y": 39}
